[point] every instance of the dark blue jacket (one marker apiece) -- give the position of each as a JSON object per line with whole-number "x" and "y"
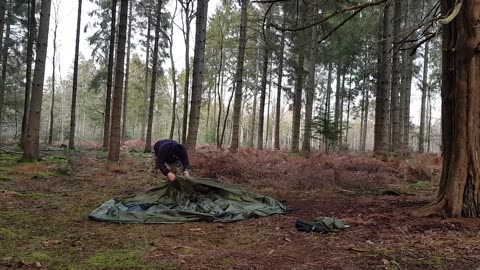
{"x": 170, "y": 151}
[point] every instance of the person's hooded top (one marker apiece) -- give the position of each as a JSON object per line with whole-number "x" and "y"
{"x": 170, "y": 151}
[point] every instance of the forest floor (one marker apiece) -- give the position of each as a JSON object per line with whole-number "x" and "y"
{"x": 44, "y": 209}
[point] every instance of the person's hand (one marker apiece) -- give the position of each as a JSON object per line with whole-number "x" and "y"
{"x": 186, "y": 173}
{"x": 171, "y": 177}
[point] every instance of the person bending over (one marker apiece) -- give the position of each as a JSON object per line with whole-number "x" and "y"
{"x": 171, "y": 158}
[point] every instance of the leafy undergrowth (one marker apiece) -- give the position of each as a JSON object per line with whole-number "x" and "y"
{"x": 44, "y": 224}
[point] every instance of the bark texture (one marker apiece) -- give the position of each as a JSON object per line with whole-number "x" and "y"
{"x": 71, "y": 140}
{"x": 31, "y": 149}
{"x": 459, "y": 193}
{"x": 115, "y": 129}
{"x": 239, "y": 78}
{"x": 197, "y": 76}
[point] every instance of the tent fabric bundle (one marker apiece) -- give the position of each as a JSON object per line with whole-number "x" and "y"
{"x": 188, "y": 199}
{"x": 321, "y": 225}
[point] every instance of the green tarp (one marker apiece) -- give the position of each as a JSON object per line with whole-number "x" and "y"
{"x": 188, "y": 199}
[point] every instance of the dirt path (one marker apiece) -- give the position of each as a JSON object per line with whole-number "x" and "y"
{"x": 44, "y": 225}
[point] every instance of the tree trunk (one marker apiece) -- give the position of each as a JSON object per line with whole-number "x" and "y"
{"x": 407, "y": 82}
{"x": 239, "y": 77}
{"x": 279, "y": 92}
{"x": 148, "y": 139}
{"x": 327, "y": 99}
{"x": 71, "y": 140}
{"x": 31, "y": 149}
{"x": 362, "y": 116}
{"x": 310, "y": 93}
{"x": 145, "y": 84}
{"x": 365, "y": 122}
{"x": 187, "y": 71}
{"x": 338, "y": 96}
{"x": 3, "y": 8}
{"x": 254, "y": 114}
{"x": 408, "y": 93}
{"x": 429, "y": 119}
{"x": 28, "y": 75}
{"x": 127, "y": 76}
{"x": 394, "y": 95}
{"x": 226, "y": 117}
{"x": 459, "y": 192}
{"x": 115, "y": 132}
{"x": 349, "y": 99}
{"x": 197, "y": 76}
{"x": 52, "y": 104}
{"x": 3, "y": 78}
{"x": 267, "y": 126}
{"x": 421, "y": 135}
{"x": 220, "y": 92}
{"x": 263, "y": 90}
{"x": 381, "y": 101}
{"x": 174, "y": 80}
{"x": 108, "y": 100}
{"x": 297, "y": 103}
{"x": 340, "y": 108}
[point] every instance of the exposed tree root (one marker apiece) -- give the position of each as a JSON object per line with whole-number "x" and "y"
{"x": 435, "y": 208}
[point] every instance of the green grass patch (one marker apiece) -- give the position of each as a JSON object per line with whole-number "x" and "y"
{"x": 6, "y": 233}
{"x": 117, "y": 260}
{"x": 228, "y": 262}
{"x": 20, "y": 217}
{"x": 36, "y": 256}
{"x": 5, "y": 178}
{"x": 421, "y": 186}
{"x": 31, "y": 195}
{"x": 7, "y": 163}
{"x": 435, "y": 261}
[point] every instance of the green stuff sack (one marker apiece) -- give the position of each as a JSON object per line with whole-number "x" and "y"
{"x": 188, "y": 199}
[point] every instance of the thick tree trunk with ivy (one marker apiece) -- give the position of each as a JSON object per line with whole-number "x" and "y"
{"x": 297, "y": 103}
{"x": 197, "y": 73}
{"x": 383, "y": 84}
{"x": 421, "y": 134}
{"x": 239, "y": 77}
{"x": 310, "y": 93}
{"x": 115, "y": 130}
{"x": 108, "y": 99}
{"x": 71, "y": 140}
{"x": 459, "y": 192}
{"x": 127, "y": 76}
{"x": 31, "y": 148}
{"x": 148, "y": 138}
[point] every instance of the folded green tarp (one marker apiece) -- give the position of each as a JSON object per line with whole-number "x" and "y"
{"x": 188, "y": 199}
